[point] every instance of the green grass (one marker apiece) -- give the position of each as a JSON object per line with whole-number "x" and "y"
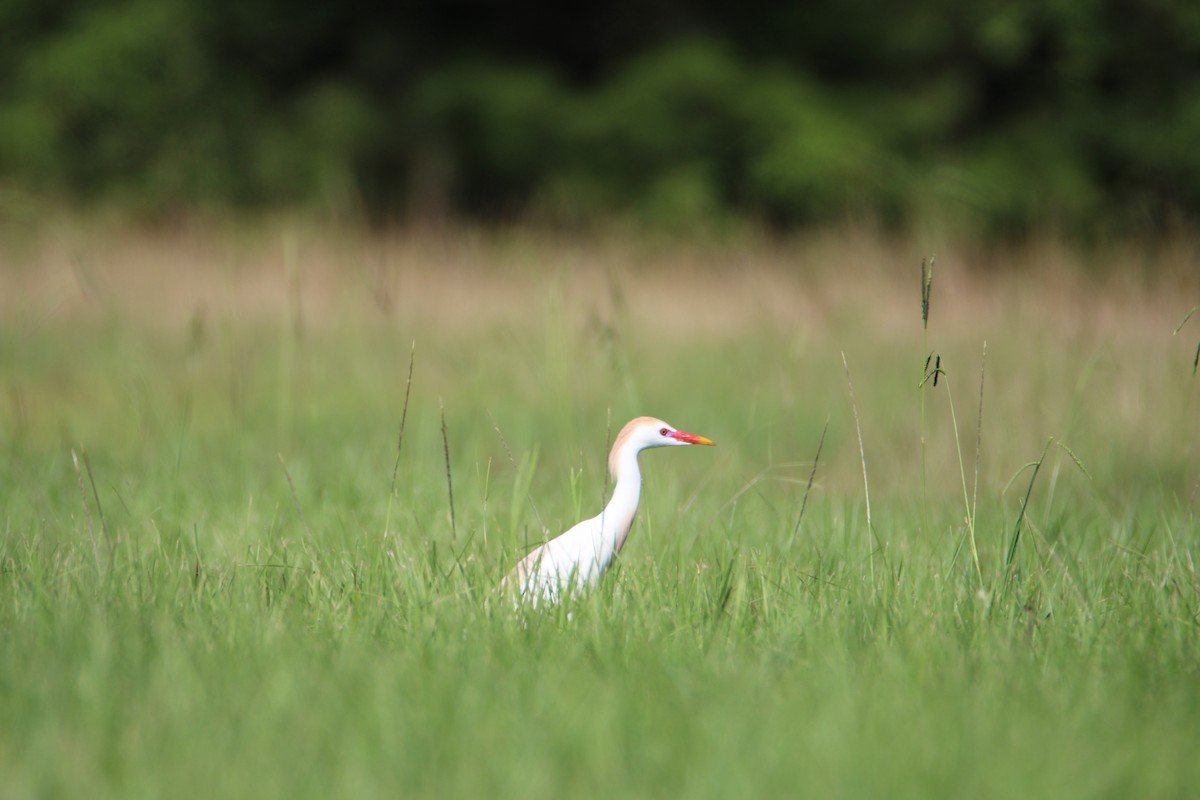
{"x": 238, "y": 609}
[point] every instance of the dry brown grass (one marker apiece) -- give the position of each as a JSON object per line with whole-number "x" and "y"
{"x": 467, "y": 281}
{"x": 1079, "y": 346}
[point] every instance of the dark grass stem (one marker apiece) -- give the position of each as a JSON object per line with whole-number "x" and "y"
{"x": 1179, "y": 327}
{"x": 926, "y": 288}
{"x": 87, "y": 467}
{"x": 926, "y": 293}
{"x": 387, "y": 521}
{"x": 412, "y": 354}
{"x": 811, "y": 476}
{"x": 449, "y": 477}
{"x": 1016, "y": 535}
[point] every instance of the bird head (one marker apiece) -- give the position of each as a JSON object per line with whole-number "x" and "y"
{"x": 646, "y": 432}
{"x": 663, "y": 435}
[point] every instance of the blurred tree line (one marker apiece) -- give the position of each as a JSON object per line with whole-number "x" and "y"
{"x": 1012, "y": 116}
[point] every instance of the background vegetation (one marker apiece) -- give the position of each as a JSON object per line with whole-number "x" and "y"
{"x": 211, "y": 584}
{"x": 230, "y": 563}
{"x": 1006, "y": 118}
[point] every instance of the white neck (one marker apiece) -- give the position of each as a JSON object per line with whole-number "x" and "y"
{"x": 617, "y": 518}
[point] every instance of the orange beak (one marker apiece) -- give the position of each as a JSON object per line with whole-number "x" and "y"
{"x": 691, "y": 438}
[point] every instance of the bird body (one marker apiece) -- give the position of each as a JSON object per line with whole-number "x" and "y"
{"x": 578, "y": 558}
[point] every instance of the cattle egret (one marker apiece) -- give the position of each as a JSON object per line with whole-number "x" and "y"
{"x": 575, "y": 560}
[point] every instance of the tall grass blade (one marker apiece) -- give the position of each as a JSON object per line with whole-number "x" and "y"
{"x": 87, "y": 467}
{"x": 412, "y": 355}
{"x": 449, "y": 477}
{"x": 1016, "y": 536}
{"x": 962, "y": 474}
{"x": 978, "y": 432}
{"x": 1183, "y": 321}
{"x": 862, "y": 453}
{"x": 926, "y": 292}
{"x": 1179, "y": 327}
{"x": 87, "y": 509}
{"x": 387, "y": 520}
{"x": 811, "y": 475}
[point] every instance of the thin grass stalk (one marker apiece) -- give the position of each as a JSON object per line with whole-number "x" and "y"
{"x": 487, "y": 488}
{"x": 449, "y": 477}
{"x": 926, "y": 292}
{"x": 962, "y": 473}
{"x": 87, "y": 509}
{"x": 196, "y": 551}
{"x": 1179, "y": 327}
{"x": 1016, "y": 537}
{"x": 978, "y": 432}
{"x": 105, "y": 537}
{"x": 387, "y": 520}
{"x": 87, "y": 467}
{"x": 1183, "y": 321}
{"x": 811, "y": 475}
{"x": 862, "y": 453}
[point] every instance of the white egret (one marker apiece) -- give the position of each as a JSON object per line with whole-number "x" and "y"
{"x": 578, "y": 558}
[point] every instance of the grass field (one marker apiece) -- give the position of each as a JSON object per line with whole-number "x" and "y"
{"x": 221, "y": 577}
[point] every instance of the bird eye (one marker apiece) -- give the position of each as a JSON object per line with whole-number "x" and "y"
{"x": 663, "y": 432}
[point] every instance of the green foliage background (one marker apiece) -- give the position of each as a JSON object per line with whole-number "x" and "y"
{"x": 1003, "y": 117}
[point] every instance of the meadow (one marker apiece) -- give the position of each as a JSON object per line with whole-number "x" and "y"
{"x": 232, "y": 563}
